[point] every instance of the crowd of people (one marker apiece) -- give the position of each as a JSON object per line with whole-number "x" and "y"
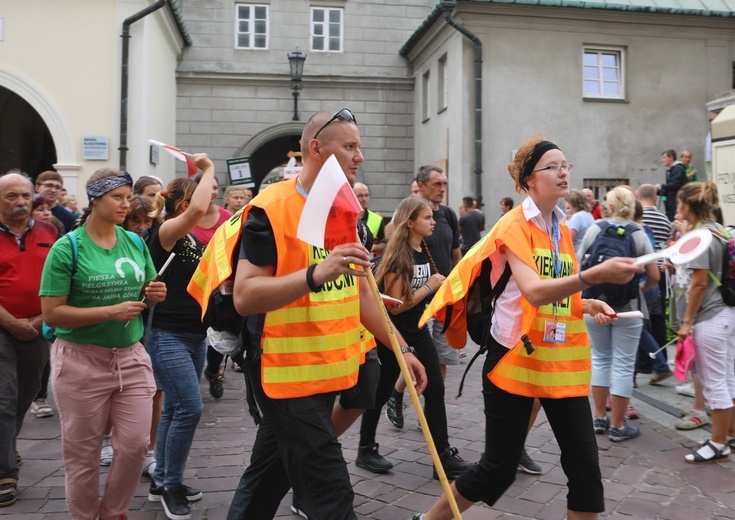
{"x": 101, "y": 316}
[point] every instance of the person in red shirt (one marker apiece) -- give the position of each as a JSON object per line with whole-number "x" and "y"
{"x": 24, "y": 243}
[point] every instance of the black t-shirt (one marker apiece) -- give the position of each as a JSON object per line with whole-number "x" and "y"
{"x": 444, "y": 239}
{"x": 407, "y": 322}
{"x": 471, "y": 223}
{"x": 179, "y": 311}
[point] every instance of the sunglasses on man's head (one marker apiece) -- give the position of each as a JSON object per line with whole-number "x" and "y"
{"x": 343, "y": 115}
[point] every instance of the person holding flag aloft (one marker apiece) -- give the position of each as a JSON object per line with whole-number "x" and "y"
{"x": 304, "y": 305}
{"x": 538, "y": 346}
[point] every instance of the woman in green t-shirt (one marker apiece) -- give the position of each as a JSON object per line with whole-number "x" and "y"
{"x": 91, "y": 288}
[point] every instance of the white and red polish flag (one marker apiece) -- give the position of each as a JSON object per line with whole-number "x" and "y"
{"x": 179, "y": 154}
{"x": 330, "y": 214}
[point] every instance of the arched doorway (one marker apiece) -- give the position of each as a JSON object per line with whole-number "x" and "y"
{"x": 25, "y": 140}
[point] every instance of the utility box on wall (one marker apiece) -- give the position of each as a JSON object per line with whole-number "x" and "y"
{"x": 723, "y": 161}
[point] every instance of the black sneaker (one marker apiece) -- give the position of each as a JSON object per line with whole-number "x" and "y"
{"x": 216, "y": 389}
{"x": 296, "y": 508}
{"x": 155, "y": 492}
{"x": 175, "y": 503}
{"x": 368, "y": 458}
{"x": 527, "y": 465}
{"x": 453, "y": 464}
{"x": 394, "y": 412}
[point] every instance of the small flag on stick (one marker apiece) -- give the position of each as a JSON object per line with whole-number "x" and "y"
{"x": 330, "y": 214}
{"x": 179, "y": 154}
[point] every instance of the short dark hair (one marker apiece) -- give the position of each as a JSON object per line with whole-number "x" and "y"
{"x": 670, "y": 153}
{"x": 507, "y": 201}
{"x": 469, "y": 202}
{"x": 425, "y": 172}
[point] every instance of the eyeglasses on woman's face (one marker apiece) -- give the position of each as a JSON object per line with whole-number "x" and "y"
{"x": 555, "y": 168}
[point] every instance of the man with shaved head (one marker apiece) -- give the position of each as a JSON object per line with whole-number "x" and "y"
{"x": 304, "y": 307}
{"x": 24, "y": 243}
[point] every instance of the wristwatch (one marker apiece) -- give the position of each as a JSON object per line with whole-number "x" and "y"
{"x": 407, "y": 349}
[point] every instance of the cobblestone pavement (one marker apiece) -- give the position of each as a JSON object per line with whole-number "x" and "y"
{"x": 645, "y": 478}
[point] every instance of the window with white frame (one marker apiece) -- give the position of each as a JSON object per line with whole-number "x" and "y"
{"x": 442, "y": 89}
{"x": 251, "y": 26}
{"x": 426, "y": 93}
{"x": 603, "y": 73}
{"x": 326, "y": 29}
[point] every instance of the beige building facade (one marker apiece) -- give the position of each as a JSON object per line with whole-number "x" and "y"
{"x": 60, "y": 86}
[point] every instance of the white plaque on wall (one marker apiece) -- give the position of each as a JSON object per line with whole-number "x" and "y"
{"x": 95, "y": 147}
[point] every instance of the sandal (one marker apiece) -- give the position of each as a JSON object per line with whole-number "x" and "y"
{"x": 8, "y": 491}
{"x": 658, "y": 378}
{"x": 717, "y": 455}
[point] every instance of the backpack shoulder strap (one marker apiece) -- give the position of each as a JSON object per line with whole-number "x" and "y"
{"x": 138, "y": 240}
{"x": 72, "y": 237}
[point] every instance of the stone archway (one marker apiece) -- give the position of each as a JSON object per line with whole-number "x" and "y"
{"x": 269, "y": 149}
{"x": 67, "y": 162}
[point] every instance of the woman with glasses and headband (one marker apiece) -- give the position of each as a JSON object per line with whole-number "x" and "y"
{"x": 177, "y": 343}
{"x": 615, "y": 345}
{"x": 100, "y": 370}
{"x": 537, "y": 322}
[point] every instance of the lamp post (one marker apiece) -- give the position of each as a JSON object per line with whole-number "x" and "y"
{"x": 296, "y": 62}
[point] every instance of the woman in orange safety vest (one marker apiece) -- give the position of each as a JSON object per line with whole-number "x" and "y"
{"x": 539, "y": 346}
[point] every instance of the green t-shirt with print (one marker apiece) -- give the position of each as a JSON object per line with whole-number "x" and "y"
{"x": 103, "y": 277}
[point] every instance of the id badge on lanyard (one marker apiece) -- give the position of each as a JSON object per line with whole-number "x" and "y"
{"x": 555, "y": 332}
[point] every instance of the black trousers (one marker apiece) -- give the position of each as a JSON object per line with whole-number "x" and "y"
{"x": 506, "y": 422}
{"x": 295, "y": 447}
{"x": 435, "y": 410}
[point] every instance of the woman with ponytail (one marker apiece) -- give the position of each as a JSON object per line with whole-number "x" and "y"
{"x": 177, "y": 343}
{"x": 91, "y": 292}
{"x": 710, "y": 323}
{"x": 407, "y": 272}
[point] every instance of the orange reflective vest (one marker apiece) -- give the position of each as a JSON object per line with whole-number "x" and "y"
{"x": 313, "y": 344}
{"x": 553, "y": 370}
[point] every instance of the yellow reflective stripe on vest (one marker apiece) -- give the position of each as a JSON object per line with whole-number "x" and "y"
{"x": 292, "y": 315}
{"x": 297, "y": 374}
{"x": 542, "y": 378}
{"x": 305, "y": 344}
{"x": 551, "y": 354}
{"x": 373, "y": 223}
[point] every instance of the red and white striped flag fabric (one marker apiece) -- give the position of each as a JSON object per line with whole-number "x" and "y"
{"x": 179, "y": 154}
{"x": 330, "y": 214}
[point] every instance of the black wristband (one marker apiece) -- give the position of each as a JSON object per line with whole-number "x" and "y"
{"x": 310, "y": 279}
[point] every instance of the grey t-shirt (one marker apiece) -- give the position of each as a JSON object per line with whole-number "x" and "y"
{"x": 444, "y": 239}
{"x": 711, "y": 260}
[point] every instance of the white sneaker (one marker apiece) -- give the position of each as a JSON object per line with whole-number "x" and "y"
{"x": 692, "y": 420}
{"x": 107, "y": 452}
{"x": 685, "y": 389}
{"x": 41, "y": 408}
{"x": 150, "y": 464}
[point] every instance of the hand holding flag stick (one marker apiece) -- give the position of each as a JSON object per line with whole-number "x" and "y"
{"x": 158, "y": 277}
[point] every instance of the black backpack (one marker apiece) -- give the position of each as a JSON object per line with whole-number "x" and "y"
{"x": 479, "y": 307}
{"x": 727, "y": 284}
{"x": 610, "y": 242}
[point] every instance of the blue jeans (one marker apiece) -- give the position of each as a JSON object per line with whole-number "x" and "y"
{"x": 648, "y": 346}
{"x": 614, "y": 348}
{"x": 178, "y": 361}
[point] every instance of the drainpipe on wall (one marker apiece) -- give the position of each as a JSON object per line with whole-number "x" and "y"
{"x": 123, "y": 148}
{"x": 448, "y": 6}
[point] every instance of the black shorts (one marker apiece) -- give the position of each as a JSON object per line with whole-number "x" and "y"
{"x": 362, "y": 395}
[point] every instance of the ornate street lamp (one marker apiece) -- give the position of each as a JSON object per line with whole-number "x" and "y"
{"x": 296, "y": 62}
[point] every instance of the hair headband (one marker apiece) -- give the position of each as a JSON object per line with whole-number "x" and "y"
{"x": 102, "y": 186}
{"x": 538, "y": 151}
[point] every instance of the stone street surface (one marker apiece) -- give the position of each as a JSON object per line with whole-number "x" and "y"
{"x": 645, "y": 478}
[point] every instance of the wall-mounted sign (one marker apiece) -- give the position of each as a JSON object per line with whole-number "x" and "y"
{"x": 95, "y": 147}
{"x": 239, "y": 169}
{"x": 155, "y": 154}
